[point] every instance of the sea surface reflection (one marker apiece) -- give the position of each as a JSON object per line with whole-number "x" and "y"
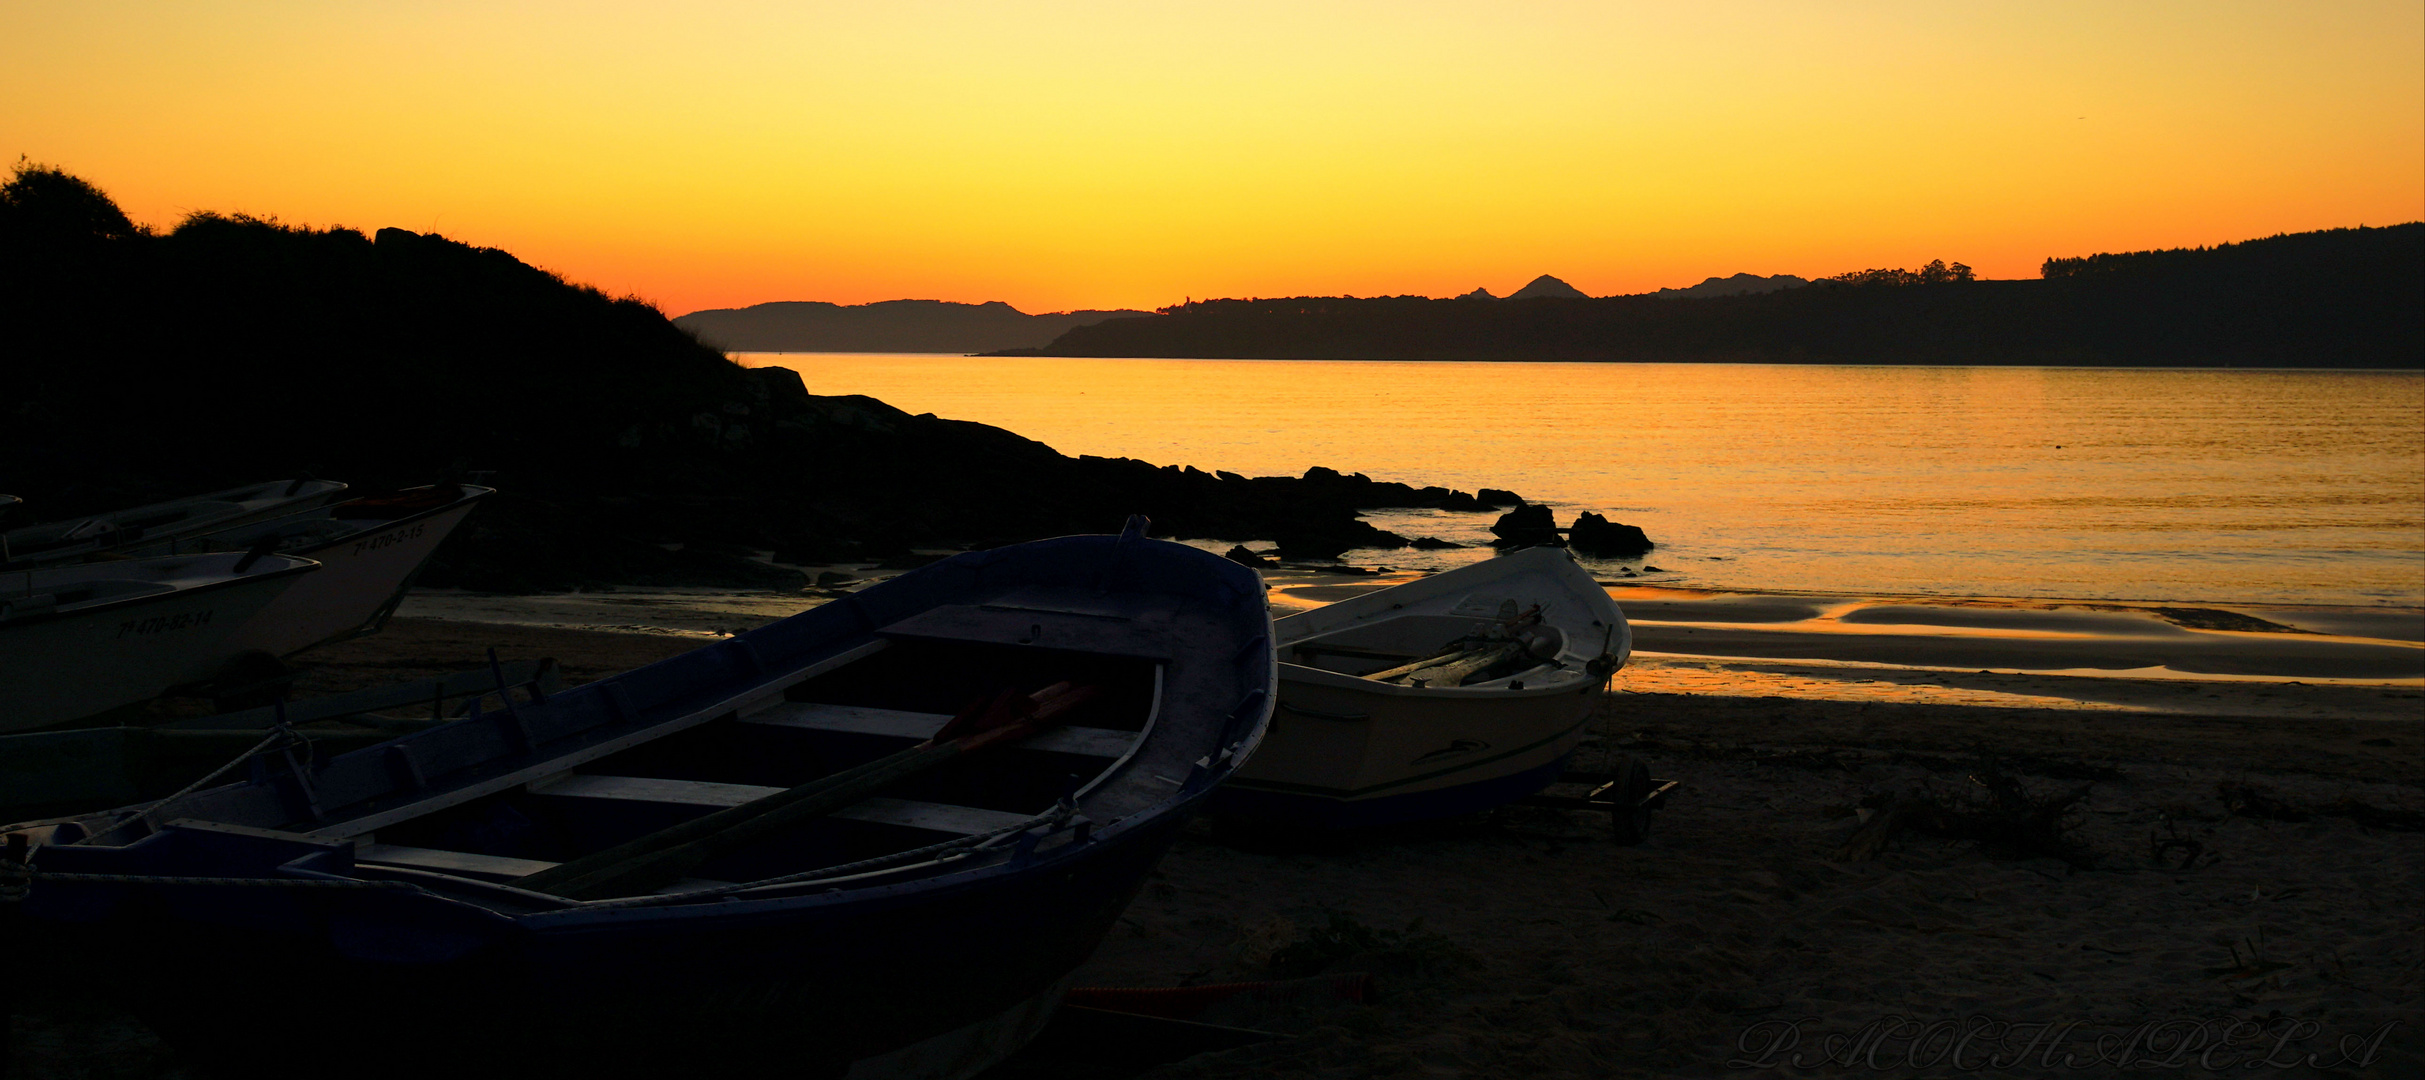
{"x": 2153, "y": 484}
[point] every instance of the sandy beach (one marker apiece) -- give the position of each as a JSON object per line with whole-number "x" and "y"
{"x": 2236, "y": 880}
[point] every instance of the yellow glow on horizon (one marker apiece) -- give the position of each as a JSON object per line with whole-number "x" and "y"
{"x": 1062, "y": 155}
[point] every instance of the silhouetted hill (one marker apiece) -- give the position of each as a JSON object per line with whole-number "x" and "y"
{"x": 1737, "y": 285}
{"x": 2341, "y": 298}
{"x": 136, "y": 366}
{"x": 935, "y": 326}
{"x": 1547, "y": 287}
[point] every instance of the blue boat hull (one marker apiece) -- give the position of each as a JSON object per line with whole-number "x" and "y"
{"x": 1250, "y": 803}
{"x": 804, "y": 990}
{"x": 254, "y": 925}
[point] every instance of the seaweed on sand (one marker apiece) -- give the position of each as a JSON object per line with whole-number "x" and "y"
{"x": 1999, "y": 813}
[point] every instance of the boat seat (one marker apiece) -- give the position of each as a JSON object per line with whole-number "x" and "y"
{"x": 1066, "y": 629}
{"x": 464, "y": 863}
{"x": 908, "y": 813}
{"x": 483, "y": 867}
{"x": 814, "y": 716}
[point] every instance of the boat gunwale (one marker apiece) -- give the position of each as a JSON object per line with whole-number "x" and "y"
{"x": 296, "y": 564}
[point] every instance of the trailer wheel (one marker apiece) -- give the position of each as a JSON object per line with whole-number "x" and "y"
{"x": 1629, "y": 812}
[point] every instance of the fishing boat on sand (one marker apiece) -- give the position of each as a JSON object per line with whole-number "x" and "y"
{"x": 873, "y": 839}
{"x": 369, "y": 550}
{"x": 154, "y": 523}
{"x": 81, "y": 638}
{"x": 1443, "y": 696}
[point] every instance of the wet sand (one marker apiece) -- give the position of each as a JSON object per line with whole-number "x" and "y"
{"x": 1524, "y": 943}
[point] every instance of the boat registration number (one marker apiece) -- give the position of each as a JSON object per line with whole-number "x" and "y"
{"x": 161, "y": 624}
{"x": 389, "y": 539}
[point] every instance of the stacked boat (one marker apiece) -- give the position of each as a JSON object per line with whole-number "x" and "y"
{"x": 1439, "y": 697}
{"x": 104, "y": 611}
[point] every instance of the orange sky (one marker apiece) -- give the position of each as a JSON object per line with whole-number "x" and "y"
{"x": 1064, "y": 155}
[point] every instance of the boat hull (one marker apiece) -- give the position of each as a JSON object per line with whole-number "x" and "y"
{"x": 361, "y": 577}
{"x": 74, "y": 663}
{"x": 938, "y": 984}
{"x": 1411, "y": 757}
{"x": 1347, "y": 752}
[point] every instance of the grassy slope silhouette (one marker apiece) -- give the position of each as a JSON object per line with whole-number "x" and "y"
{"x": 136, "y": 366}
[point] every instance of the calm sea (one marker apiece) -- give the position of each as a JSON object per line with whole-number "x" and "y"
{"x": 2193, "y": 485}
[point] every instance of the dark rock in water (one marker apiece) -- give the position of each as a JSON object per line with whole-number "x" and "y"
{"x": 1601, "y": 538}
{"x": 1317, "y": 538}
{"x": 1649, "y": 569}
{"x": 1527, "y": 526}
{"x": 1493, "y": 497}
{"x": 830, "y": 580}
{"x": 1432, "y": 543}
{"x": 1243, "y": 557}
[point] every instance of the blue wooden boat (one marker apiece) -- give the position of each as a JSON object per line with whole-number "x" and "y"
{"x": 362, "y": 914}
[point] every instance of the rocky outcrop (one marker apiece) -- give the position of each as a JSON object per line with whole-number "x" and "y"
{"x": 1601, "y": 538}
{"x": 624, "y": 451}
{"x": 1527, "y": 526}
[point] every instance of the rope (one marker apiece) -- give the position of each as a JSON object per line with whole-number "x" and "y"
{"x": 273, "y": 742}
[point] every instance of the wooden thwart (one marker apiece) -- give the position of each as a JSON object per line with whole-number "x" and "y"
{"x": 640, "y": 865}
{"x": 862, "y": 720}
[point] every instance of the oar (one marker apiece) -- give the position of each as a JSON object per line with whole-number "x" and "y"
{"x": 1428, "y": 661}
{"x": 1454, "y": 672}
{"x": 659, "y": 858}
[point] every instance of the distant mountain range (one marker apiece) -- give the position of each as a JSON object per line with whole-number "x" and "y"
{"x": 1547, "y": 287}
{"x": 917, "y": 326}
{"x": 1738, "y": 285}
{"x": 2336, "y": 298}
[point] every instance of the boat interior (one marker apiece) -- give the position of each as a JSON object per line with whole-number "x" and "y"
{"x": 895, "y": 698}
{"x": 1383, "y": 645}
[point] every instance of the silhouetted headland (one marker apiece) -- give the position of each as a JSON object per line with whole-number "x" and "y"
{"x": 142, "y": 365}
{"x": 2340, "y": 298}
{"x": 914, "y": 326}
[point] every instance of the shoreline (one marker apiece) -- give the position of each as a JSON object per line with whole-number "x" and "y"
{"x": 2292, "y": 661}
{"x": 1522, "y": 943}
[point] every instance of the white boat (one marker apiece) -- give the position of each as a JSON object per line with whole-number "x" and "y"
{"x": 1443, "y": 696}
{"x": 155, "y": 523}
{"x": 369, "y": 551}
{"x": 83, "y": 638}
